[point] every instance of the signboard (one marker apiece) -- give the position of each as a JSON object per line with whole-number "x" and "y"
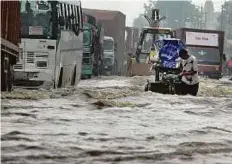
{"x": 35, "y": 30}
{"x": 202, "y": 39}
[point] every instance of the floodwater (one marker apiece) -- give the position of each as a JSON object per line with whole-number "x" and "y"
{"x": 111, "y": 120}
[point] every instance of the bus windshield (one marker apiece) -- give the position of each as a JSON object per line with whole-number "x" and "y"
{"x": 205, "y": 54}
{"x": 86, "y": 37}
{"x": 36, "y": 19}
{"x": 108, "y": 45}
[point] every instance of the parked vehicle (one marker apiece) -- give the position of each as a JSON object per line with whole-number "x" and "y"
{"x": 51, "y": 44}
{"x": 98, "y": 50}
{"x": 109, "y": 49}
{"x": 132, "y": 38}
{"x": 207, "y": 47}
{"x": 88, "y": 43}
{"x": 146, "y": 41}
{"x": 113, "y": 23}
{"x": 10, "y": 38}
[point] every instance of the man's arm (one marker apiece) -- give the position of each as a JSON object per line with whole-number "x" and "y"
{"x": 189, "y": 73}
{"x": 193, "y": 71}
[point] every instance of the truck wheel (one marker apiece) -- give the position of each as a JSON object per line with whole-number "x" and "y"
{"x": 157, "y": 74}
{"x": 3, "y": 74}
{"x": 146, "y": 88}
{"x": 74, "y": 76}
{"x": 60, "y": 78}
{"x": 10, "y": 78}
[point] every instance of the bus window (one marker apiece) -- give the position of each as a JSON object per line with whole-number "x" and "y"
{"x": 36, "y": 19}
{"x": 78, "y": 16}
{"x": 81, "y": 19}
{"x": 73, "y": 15}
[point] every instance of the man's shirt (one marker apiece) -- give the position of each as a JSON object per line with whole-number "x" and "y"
{"x": 190, "y": 65}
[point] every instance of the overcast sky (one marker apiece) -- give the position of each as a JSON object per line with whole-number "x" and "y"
{"x": 132, "y": 8}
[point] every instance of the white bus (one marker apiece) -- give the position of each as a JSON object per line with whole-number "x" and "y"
{"x": 51, "y": 44}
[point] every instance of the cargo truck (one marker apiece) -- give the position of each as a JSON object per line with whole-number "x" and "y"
{"x": 113, "y": 23}
{"x": 92, "y": 42}
{"x": 10, "y": 38}
{"x": 109, "y": 63}
{"x": 207, "y": 47}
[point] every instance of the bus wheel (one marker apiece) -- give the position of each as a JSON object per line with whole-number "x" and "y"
{"x": 60, "y": 78}
{"x": 74, "y": 76}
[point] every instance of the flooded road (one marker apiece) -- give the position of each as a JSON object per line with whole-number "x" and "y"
{"x": 112, "y": 120}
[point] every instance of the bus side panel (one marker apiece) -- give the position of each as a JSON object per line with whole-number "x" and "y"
{"x": 78, "y": 47}
{"x": 71, "y": 49}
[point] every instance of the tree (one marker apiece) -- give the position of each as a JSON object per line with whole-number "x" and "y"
{"x": 225, "y": 19}
{"x": 176, "y": 12}
{"x": 140, "y": 22}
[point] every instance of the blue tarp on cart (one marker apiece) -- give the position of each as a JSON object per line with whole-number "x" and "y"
{"x": 169, "y": 51}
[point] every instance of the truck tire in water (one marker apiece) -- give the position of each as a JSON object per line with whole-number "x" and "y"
{"x": 6, "y": 73}
{"x": 74, "y": 76}
{"x": 60, "y": 78}
{"x": 10, "y": 78}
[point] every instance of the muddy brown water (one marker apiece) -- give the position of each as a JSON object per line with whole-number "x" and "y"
{"x": 135, "y": 127}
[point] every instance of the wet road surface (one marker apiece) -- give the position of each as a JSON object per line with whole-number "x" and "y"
{"x": 133, "y": 126}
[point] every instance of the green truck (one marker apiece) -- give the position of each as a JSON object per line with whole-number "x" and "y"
{"x": 92, "y": 51}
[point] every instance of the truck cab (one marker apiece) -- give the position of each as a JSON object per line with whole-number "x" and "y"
{"x": 88, "y": 53}
{"x": 147, "y": 38}
{"x": 109, "y": 48}
{"x": 90, "y": 39}
{"x": 207, "y": 47}
{"x": 146, "y": 41}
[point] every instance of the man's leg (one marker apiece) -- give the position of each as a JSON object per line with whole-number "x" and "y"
{"x": 183, "y": 88}
{"x": 193, "y": 89}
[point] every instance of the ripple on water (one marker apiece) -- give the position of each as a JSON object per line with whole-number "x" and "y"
{"x": 151, "y": 128}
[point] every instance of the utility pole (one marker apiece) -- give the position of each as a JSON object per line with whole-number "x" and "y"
{"x": 222, "y": 16}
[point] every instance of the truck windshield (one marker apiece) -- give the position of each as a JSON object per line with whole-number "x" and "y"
{"x": 36, "y": 19}
{"x": 149, "y": 39}
{"x": 108, "y": 45}
{"x": 205, "y": 54}
{"x": 87, "y": 37}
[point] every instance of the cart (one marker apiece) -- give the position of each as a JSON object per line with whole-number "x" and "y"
{"x": 167, "y": 68}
